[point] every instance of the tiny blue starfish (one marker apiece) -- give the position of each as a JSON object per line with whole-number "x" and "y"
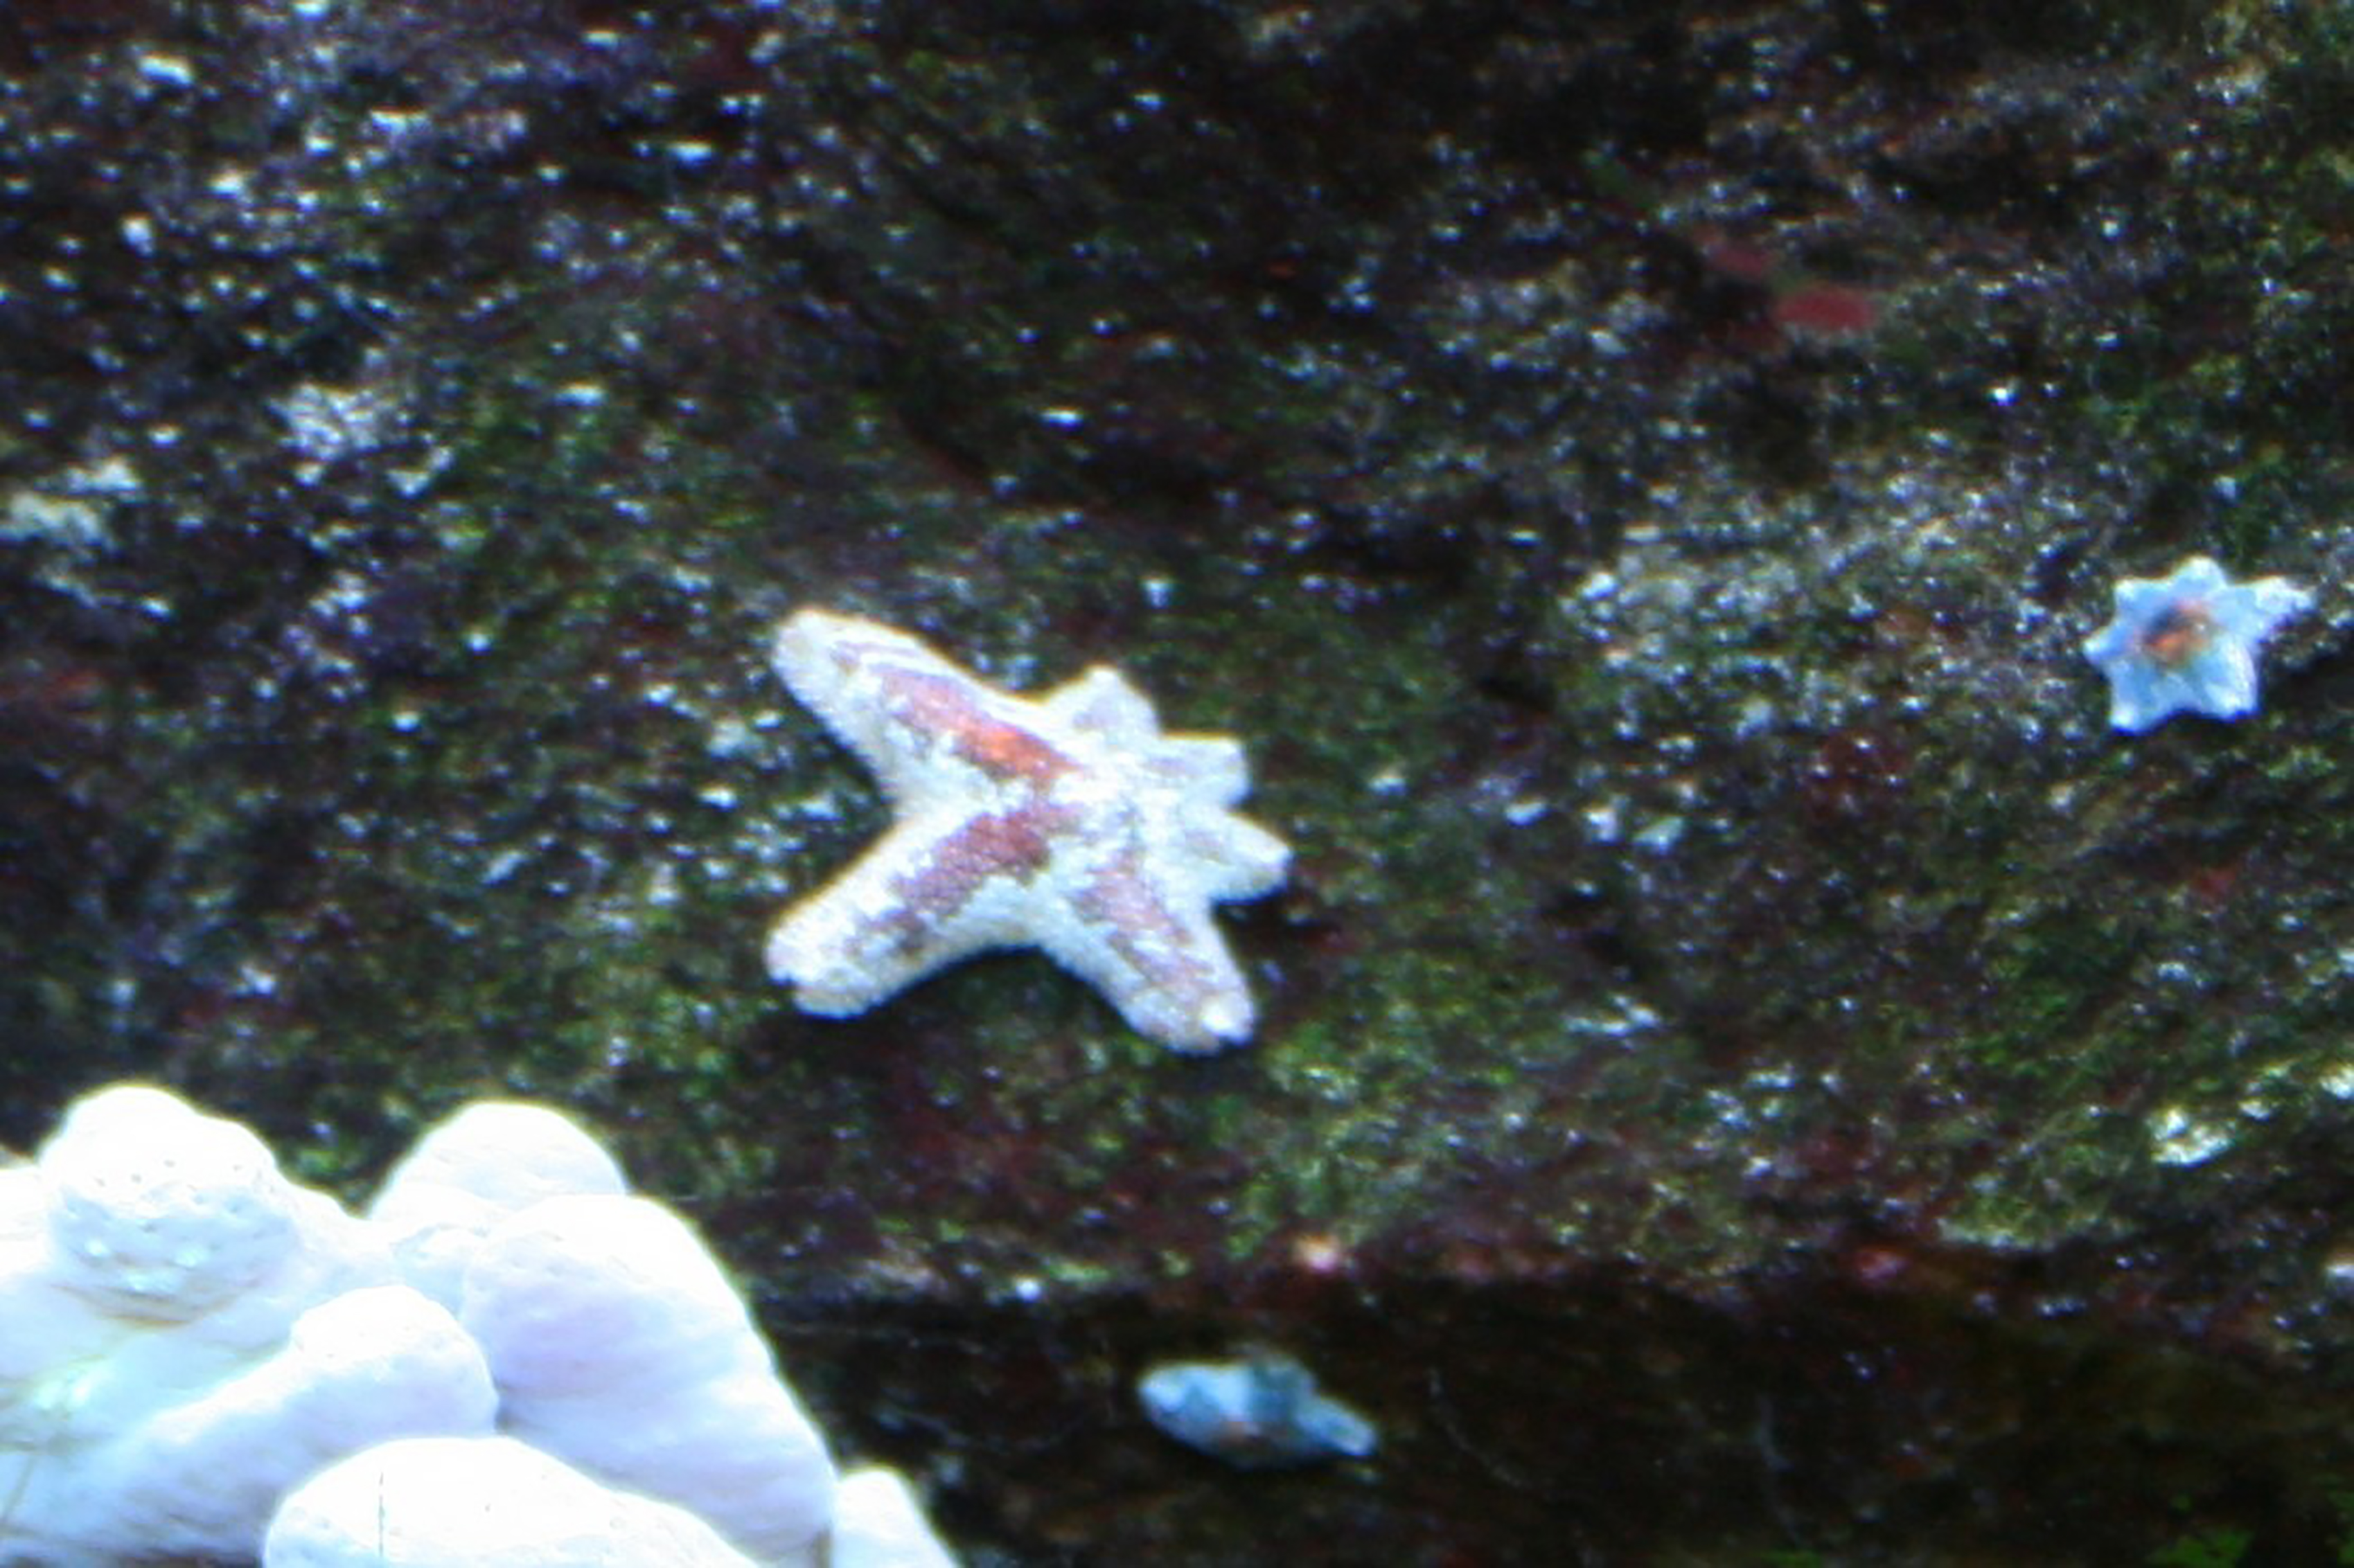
{"x": 2189, "y": 643}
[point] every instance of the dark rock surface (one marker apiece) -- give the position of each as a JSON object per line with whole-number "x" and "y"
{"x": 1753, "y": 1068}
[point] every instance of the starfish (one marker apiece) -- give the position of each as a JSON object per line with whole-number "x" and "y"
{"x": 1067, "y": 822}
{"x": 2187, "y": 642}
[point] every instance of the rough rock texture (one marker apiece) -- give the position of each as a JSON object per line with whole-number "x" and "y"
{"x": 1748, "y": 1061}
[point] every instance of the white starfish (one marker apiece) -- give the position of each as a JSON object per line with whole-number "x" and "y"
{"x": 1066, "y": 821}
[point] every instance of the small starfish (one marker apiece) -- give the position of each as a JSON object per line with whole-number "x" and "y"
{"x": 2189, "y": 641}
{"x": 1066, "y": 821}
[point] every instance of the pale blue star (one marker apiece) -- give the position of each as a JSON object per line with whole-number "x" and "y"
{"x": 2189, "y": 641}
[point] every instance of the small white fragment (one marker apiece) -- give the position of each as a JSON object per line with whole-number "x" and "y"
{"x": 2179, "y": 1137}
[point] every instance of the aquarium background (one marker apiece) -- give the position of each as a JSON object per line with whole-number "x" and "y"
{"x": 1751, "y": 1066}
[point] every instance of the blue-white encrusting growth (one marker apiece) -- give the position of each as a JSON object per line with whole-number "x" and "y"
{"x": 2189, "y": 643}
{"x": 1257, "y": 1413}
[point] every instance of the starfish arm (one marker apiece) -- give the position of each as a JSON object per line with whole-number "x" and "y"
{"x": 2199, "y": 577}
{"x": 1163, "y": 965}
{"x": 933, "y": 890}
{"x": 2142, "y": 599}
{"x": 2252, "y": 611}
{"x": 1208, "y": 768}
{"x": 2222, "y": 681}
{"x": 1104, "y": 705}
{"x": 2126, "y": 716}
{"x": 1233, "y": 858}
{"x": 836, "y": 665}
{"x": 2136, "y": 715}
{"x": 909, "y": 713}
{"x": 2141, "y": 695}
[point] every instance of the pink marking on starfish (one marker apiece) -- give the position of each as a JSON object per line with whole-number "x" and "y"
{"x": 2181, "y": 633}
{"x": 926, "y": 701}
{"x": 1190, "y": 977}
{"x": 935, "y": 888}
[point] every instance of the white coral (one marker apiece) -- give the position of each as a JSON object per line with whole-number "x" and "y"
{"x": 186, "y": 1335}
{"x": 619, "y": 1347}
{"x": 185, "y": 1331}
{"x": 481, "y": 1502}
{"x": 878, "y": 1523}
{"x": 470, "y": 1174}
